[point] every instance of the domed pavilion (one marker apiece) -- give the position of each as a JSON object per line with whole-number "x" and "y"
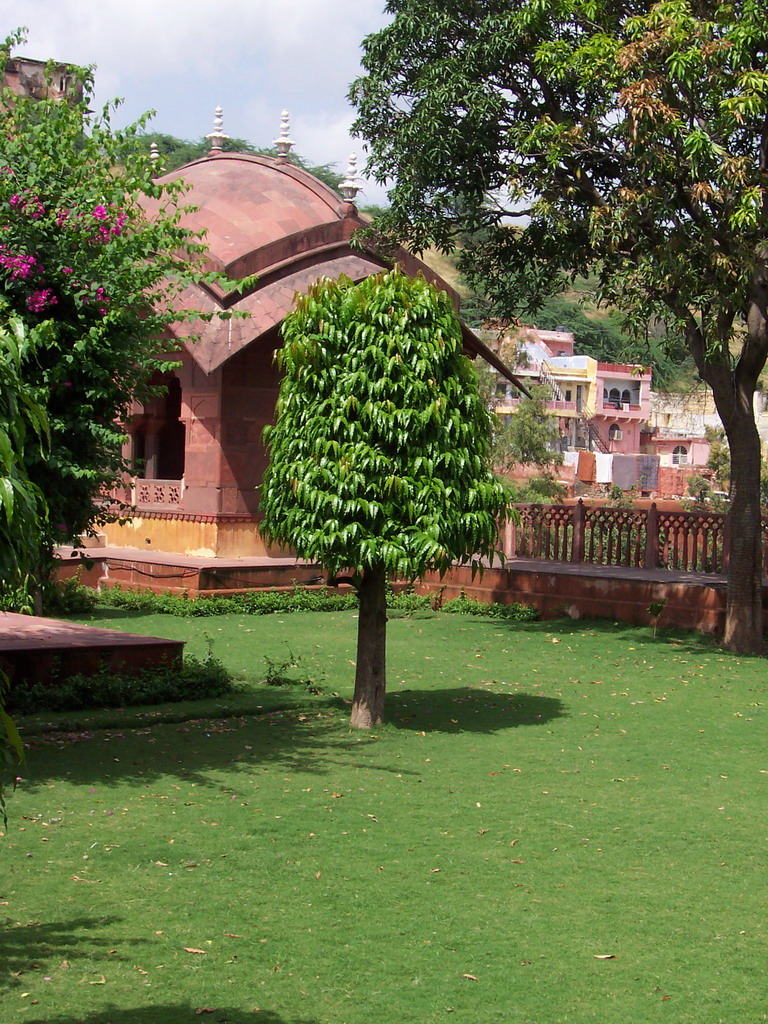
{"x": 198, "y": 450}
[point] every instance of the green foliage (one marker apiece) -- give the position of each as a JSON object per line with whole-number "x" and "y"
{"x": 537, "y": 490}
{"x": 23, "y": 511}
{"x": 11, "y": 749}
{"x": 175, "y": 152}
{"x": 702, "y": 496}
{"x": 69, "y": 597}
{"x": 255, "y": 602}
{"x": 567, "y": 137}
{"x": 719, "y": 461}
{"x": 24, "y": 437}
{"x": 408, "y": 602}
{"x": 589, "y": 120}
{"x": 282, "y": 672}
{"x": 194, "y": 680}
{"x": 530, "y": 435}
{"x": 719, "y": 458}
{"x": 379, "y": 452}
{"x": 515, "y": 612}
{"x": 655, "y": 610}
{"x": 92, "y": 277}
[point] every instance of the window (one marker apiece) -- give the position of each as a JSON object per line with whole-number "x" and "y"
{"x": 614, "y": 397}
{"x": 626, "y": 397}
{"x": 679, "y": 455}
{"x": 159, "y": 435}
{"x": 568, "y": 396}
{"x": 614, "y": 432}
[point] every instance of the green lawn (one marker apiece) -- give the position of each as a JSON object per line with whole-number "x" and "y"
{"x": 560, "y": 823}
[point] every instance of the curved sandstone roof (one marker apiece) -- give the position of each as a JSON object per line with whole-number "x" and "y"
{"x": 265, "y": 216}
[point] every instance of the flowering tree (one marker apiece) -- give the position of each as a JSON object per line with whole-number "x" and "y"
{"x": 378, "y": 461}
{"x": 83, "y": 265}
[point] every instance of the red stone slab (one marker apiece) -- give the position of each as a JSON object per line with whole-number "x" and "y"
{"x": 37, "y": 649}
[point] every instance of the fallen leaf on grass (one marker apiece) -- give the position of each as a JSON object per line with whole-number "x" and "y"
{"x": 88, "y": 881}
{"x": 193, "y": 949}
{"x": 99, "y": 981}
{"x": 470, "y": 977}
{"x": 206, "y": 1009}
{"x": 232, "y": 935}
{"x": 604, "y": 956}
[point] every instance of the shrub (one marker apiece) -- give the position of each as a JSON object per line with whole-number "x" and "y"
{"x": 515, "y": 612}
{"x": 68, "y": 597}
{"x": 255, "y": 602}
{"x": 195, "y": 680}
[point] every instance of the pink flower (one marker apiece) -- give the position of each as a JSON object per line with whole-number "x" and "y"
{"x": 38, "y": 300}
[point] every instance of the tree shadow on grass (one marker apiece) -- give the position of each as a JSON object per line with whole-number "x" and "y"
{"x": 167, "y": 1013}
{"x": 469, "y": 709}
{"x": 26, "y": 947}
{"x": 314, "y": 741}
{"x": 638, "y": 635}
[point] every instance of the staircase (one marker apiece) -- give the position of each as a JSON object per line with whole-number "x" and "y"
{"x": 546, "y": 378}
{"x": 597, "y": 440}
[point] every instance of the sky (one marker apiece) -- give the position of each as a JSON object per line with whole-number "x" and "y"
{"x": 182, "y": 58}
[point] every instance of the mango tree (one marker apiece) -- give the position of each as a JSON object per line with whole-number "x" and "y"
{"x": 574, "y": 136}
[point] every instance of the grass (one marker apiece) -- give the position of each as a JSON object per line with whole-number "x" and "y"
{"x": 543, "y": 795}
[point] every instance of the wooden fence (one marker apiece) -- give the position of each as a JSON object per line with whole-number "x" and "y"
{"x": 634, "y": 538}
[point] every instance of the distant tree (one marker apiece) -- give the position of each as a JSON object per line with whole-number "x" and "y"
{"x": 175, "y": 152}
{"x": 378, "y": 460}
{"x": 533, "y": 432}
{"x": 625, "y": 139}
{"x": 92, "y": 277}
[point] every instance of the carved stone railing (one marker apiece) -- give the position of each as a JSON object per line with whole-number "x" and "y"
{"x": 139, "y": 493}
{"x": 157, "y": 493}
{"x": 628, "y": 537}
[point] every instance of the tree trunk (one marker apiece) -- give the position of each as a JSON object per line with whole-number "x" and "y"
{"x": 370, "y": 675}
{"x": 733, "y": 389}
{"x": 744, "y": 605}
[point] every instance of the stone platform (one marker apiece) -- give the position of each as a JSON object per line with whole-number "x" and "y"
{"x": 555, "y": 589}
{"x": 35, "y": 649}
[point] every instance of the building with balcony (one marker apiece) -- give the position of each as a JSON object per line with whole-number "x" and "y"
{"x": 599, "y": 406}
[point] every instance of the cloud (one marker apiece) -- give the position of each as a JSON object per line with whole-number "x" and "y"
{"x": 184, "y": 57}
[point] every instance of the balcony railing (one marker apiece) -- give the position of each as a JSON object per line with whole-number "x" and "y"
{"x": 633, "y": 538}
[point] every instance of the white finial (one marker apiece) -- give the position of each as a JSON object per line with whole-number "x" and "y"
{"x": 284, "y": 142}
{"x": 154, "y": 155}
{"x": 351, "y": 184}
{"x": 217, "y": 136}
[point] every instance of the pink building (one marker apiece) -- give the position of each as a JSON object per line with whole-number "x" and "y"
{"x": 622, "y": 405}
